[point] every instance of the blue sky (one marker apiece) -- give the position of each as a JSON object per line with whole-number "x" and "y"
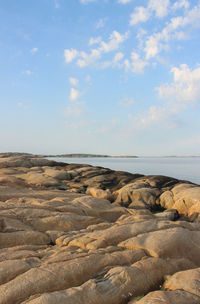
{"x": 100, "y": 76}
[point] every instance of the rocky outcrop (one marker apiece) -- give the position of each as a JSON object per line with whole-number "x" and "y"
{"x": 80, "y": 234}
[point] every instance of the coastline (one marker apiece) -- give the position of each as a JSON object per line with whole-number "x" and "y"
{"x": 74, "y": 229}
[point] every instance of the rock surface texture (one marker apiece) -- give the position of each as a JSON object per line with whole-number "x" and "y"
{"x": 78, "y": 234}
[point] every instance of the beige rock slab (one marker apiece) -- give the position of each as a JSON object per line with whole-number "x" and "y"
{"x": 167, "y": 297}
{"x": 184, "y": 197}
{"x": 168, "y": 243}
{"x": 118, "y": 285}
{"x": 61, "y": 275}
{"x": 185, "y": 280}
{"x": 12, "y": 268}
{"x": 117, "y": 233}
{"x": 23, "y": 238}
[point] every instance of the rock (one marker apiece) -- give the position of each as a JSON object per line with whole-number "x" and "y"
{"x": 136, "y": 195}
{"x": 60, "y": 275}
{"x": 96, "y": 192}
{"x": 168, "y": 243}
{"x": 170, "y": 214}
{"x": 23, "y": 237}
{"x": 184, "y": 197}
{"x": 57, "y": 174}
{"x": 188, "y": 281}
{"x": 118, "y": 285}
{"x": 11, "y": 269}
{"x": 39, "y": 179}
{"x": 167, "y": 297}
{"x": 83, "y": 245}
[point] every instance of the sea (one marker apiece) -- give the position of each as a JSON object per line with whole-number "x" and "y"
{"x": 184, "y": 168}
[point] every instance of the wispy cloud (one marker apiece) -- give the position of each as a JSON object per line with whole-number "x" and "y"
{"x": 20, "y": 104}
{"x": 34, "y": 50}
{"x": 95, "y": 40}
{"x": 70, "y": 55}
{"x": 86, "y": 59}
{"x": 101, "y": 23}
{"x": 74, "y": 94}
{"x": 142, "y": 14}
{"x": 28, "y": 72}
{"x": 185, "y": 86}
{"x": 73, "y": 81}
{"x": 156, "y": 42}
{"x": 124, "y": 1}
{"x": 181, "y": 4}
{"x": 86, "y": 1}
{"x": 75, "y": 109}
{"x": 136, "y": 64}
{"x": 177, "y": 97}
{"x": 57, "y": 4}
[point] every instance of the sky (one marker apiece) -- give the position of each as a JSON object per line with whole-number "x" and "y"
{"x": 119, "y": 77}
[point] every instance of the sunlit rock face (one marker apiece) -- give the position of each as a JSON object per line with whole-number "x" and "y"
{"x": 79, "y": 234}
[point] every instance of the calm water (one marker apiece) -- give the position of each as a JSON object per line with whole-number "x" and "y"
{"x": 181, "y": 168}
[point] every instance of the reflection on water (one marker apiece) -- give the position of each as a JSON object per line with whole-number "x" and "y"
{"x": 185, "y": 168}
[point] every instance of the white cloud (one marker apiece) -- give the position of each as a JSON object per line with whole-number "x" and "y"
{"x": 96, "y": 40}
{"x": 34, "y": 50}
{"x": 115, "y": 62}
{"x": 140, "y": 14}
{"x": 154, "y": 115}
{"x": 88, "y": 59}
{"x": 115, "y": 40}
{"x": 138, "y": 64}
{"x": 101, "y": 23}
{"x": 86, "y": 1}
{"x": 73, "y": 81}
{"x": 20, "y": 104}
{"x": 91, "y": 58}
{"x": 119, "y": 56}
{"x": 185, "y": 88}
{"x": 57, "y": 4}
{"x": 74, "y": 94}
{"x": 124, "y": 1}
{"x": 153, "y": 46}
{"x": 70, "y": 55}
{"x": 159, "y": 7}
{"x": 159, "y": 41}
{"x": 181, "y": 4}
{"x": 165, "y": 114}
{"x": 140, "y": 36}
{"x": 23, "y": 106}
{"x": 179, "y": 94}
{"x": 28, "y": 72}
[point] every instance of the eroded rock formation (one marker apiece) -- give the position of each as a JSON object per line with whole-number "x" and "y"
{"x": 78, "y": 234}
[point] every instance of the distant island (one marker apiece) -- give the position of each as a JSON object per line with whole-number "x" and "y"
{"x": 83, "y": 155}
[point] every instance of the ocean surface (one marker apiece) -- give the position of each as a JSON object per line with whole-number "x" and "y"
{"x": 184, "y": 168}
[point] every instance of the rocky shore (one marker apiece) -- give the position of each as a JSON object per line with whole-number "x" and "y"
{"x": 78, "y": 234}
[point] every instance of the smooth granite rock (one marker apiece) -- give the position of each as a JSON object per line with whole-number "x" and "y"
{"x": 78, "y": 234}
